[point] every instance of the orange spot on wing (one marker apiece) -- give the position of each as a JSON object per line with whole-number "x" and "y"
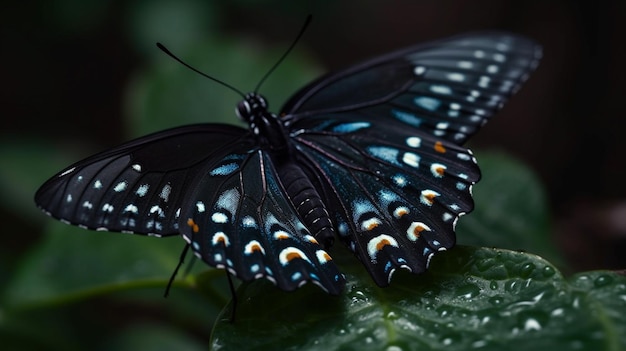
{"x": 418, "y": 230}
{"x": 256, "y": 247}
{"x": 382, "y": 244}
{"x": 439, "y": 147}
{"x": 193, "y": 225}
{"x": 326, "y": 256}
{"x": 372, "y": 225}
{"x": 430, "y": 197}
{"x": 439, "y": 170}
{"x": 292, "y": 255}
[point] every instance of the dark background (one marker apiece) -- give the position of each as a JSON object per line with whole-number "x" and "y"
{"x": 66, "y": 65}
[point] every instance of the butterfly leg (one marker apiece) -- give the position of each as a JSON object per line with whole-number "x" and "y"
{"x": 233, "y": 293}
{"x": 173, "y": 276}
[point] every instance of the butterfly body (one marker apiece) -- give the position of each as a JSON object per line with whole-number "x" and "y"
{"x": 371, "y": 155}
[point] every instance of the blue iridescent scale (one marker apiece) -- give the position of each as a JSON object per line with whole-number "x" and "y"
{"x": 371, "y": 156}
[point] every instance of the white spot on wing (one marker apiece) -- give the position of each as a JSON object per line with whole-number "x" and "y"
{"x": 378, "y": 243}
{"x": 456, "y": 77}
{"x": 465, "y": 64}
{"x": 370, "y": 224}
{"x": 219, "y": 217}
{"x": 131, "y": 208}
{"x": 427, "y": 103}
{"x": 253, "y": 246}
{"x": 142, "y": 190}
{"x": 220, "y": 237}
{"x": 121, "y": 186}
{"x": 414, "y": 230}
{"x": 67, "y": 172}
{"x": 289, "y": 254}
{"x": 441, "y": 89}
{"x": 165, "y": 192}
{"x": 413, "y": 142}
{"x": 411, "y": 159}
{"x": 200, "y": 207}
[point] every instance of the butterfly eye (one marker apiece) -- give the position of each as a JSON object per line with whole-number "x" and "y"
{"x": 243, "y": 110}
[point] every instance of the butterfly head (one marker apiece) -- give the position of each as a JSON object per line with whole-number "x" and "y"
{"x": 253, "y": 104}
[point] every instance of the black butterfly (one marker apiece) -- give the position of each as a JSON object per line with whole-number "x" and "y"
{"x": 371, "y": 154}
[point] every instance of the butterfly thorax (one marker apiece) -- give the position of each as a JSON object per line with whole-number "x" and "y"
{"x": 265, "y": 125}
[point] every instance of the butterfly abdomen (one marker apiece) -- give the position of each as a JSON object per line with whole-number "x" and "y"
{"x": 307, "y": 202}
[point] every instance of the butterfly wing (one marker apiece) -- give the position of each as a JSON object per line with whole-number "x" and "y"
{"x": 140, "y": 186}
{"x": 383, "y": 140}
{"x": 241, "y": 220}
{"x": 449, "y": 87}
{"x": 201, "y": 174}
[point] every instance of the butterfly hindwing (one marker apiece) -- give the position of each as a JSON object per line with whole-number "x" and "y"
{"x": 241, "y": 220}
{"x": 396, "y": 199}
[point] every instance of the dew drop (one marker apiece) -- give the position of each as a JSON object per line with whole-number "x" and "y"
{"x": 483, "y": 265}
{"x": 548, "y": 271}
{"x": 511, "y": 286}
{"x": 493, "y": 285}
{"x": 527, "y": 270}
{"x": 557, "y": 312}
{"x": 532, "y": 324}
{"x": 479, "y": 344}
{"x": 496, "y": 300}
{"x": 358, "y": 297}
{"x": 602, "y": 280}
{"x": 392, "y": 316}
{"x": 444, "y": 312}
{"x": 467, "y": 291}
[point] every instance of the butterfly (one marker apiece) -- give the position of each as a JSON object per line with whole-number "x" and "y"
{"x": 371, "y": 155}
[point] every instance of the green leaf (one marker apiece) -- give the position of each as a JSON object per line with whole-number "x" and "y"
{"x": 511, "y": 210}
{"x": 491, "y": 299}
{"x": 72, "y": 263}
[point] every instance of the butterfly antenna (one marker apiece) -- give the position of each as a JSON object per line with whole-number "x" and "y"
{"x": 170, "y": 54}
{"x": 293, "y": 44}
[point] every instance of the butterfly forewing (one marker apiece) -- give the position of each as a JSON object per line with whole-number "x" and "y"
{"x": 140, "y": 186}
{"x": 449, "y": 88}
{"x": 241, "y": 220}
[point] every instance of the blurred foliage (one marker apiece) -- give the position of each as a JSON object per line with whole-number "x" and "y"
{"x": 75, "y": 290}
